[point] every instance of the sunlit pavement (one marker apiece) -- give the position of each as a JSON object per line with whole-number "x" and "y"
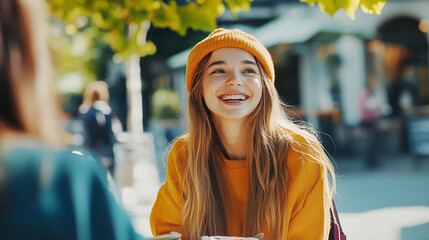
{"x": 391, "y": 223}
{"x": 391, "y": 203}
{"x": 141, "y": 220}
{"x": 139, "y": 197}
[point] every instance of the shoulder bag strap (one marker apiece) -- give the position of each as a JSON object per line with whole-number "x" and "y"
{"x": 336, "y": 231}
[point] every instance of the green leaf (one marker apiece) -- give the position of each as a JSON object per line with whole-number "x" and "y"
{"x": 200, "y": 17}
{"x": 238, "y": 5}
{"x": 215, "y": 8}
{"x": 74, "y": 14}
{"x": 350, "y": 6}
{"x": 117, "y": 12}
{"x": 116, "y": 40}
{"x": 148, "y": 49}
{"x": 166, "y": 16}
{"x": 137, "y": 16}
{"x": 98, "y": 20}
{"x": 100, "y": 5}
{"x": 372, "y": 6}
{"x": 332, "y": 6}
{"x": 147, "y": 5}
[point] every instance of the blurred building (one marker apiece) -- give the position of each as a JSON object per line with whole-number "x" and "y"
{"x": 322, "y": 64}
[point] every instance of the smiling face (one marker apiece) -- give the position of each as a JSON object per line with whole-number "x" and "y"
{"x": 232, "y": 86}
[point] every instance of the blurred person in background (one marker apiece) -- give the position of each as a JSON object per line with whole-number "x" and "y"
{"x": 99, "y": 123}
{"x": 373, "y": 106}
{"x": 46, "y": 191}
{"x": 244, "y": 167}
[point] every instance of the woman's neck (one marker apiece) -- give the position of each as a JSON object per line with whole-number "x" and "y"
{"x": 231, "y": 134}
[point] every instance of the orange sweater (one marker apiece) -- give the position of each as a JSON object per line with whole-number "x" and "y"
{"x": 307, "y": 210}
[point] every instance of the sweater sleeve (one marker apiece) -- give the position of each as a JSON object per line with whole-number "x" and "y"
{"x": 166, "y": 215}
{"x": 310, "y": 218}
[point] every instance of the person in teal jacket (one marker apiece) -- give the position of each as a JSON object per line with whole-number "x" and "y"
{"x": 57, "y": 194}
{"x": 46, "y": 190}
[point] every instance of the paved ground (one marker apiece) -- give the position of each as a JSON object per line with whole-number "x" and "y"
{"x": 391, "y": 203}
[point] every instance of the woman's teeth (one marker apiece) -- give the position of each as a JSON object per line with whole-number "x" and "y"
{"x": 233, "y": 97}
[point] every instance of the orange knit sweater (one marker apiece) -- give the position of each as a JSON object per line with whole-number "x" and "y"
{"x": 307, "y": 210}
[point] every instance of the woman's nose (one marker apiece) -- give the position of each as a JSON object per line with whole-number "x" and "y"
{"x": 234, "y": 79}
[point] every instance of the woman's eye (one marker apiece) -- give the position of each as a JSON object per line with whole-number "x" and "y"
{"x": 249, "y": 70}
{"x": 218, "y": 71}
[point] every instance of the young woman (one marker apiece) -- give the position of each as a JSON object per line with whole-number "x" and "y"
{"x": 46, "y": 192}
{"x": 244, "y": 167}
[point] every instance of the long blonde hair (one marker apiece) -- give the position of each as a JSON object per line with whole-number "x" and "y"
{"x": 268, "y": 139}
{"x": 27, "y": 88}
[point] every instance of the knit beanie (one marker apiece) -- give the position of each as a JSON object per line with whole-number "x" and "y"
{"x": 224, "y": 38}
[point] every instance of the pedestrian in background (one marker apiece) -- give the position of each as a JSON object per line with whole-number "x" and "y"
{"x": 373, "y": 106}
{"x": 46, "y": 191}
{"x": 244, "y": 167}
{"x": 98, "y": 121}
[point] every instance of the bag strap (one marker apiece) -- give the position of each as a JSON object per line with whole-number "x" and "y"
{"x": 336, "y": 231}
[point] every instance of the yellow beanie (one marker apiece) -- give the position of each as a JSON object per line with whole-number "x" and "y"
{"x": 224, "y": 38}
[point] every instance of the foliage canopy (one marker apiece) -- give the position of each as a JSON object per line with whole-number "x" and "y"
{"x": 114, "y": 18}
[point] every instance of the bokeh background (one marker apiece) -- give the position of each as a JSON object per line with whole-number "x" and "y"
{"x": 323, "y": 65}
